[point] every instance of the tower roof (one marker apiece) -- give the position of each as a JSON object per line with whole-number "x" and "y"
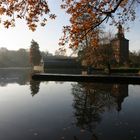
{"x": 120, "y": 33}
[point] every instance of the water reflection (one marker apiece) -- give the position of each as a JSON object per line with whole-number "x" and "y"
{"x": 34, "y": 87}
{"x": 20, "y": 76}
{"x": 119, "y": 92}
{"x": 92, "y": 100}
{"x": 93, "y": 111}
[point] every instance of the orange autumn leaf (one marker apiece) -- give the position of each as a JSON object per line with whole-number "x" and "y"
{"x": 2, "y": 10}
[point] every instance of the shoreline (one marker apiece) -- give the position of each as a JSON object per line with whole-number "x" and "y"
{"x": 99, "y": 78}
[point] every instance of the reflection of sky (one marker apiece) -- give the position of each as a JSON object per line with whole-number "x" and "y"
{"x": 50, "y": 114}
{"x": 44, "y": 115}
{"x": 48, "y": 37}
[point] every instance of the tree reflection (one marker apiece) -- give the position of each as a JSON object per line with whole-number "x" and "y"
{"x": 34, "y": 87}
{"x": 92, "y": 100}
{"x": 14, "y": 75}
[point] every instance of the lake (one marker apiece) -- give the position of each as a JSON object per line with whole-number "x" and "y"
{"x": 33, "y": 110}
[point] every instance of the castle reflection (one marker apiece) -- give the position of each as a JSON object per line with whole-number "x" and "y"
{"x": 119, "y": 92}
{"x": 92, "y": 100}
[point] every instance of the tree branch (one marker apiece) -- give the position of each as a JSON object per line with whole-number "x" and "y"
{"x": 93, "y": 27}
{"x": 108, "y": 13}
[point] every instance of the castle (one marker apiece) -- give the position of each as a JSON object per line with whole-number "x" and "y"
{"x": 120, "y": 46}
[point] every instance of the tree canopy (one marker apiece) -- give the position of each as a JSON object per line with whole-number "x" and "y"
{"x": 86, "y": 15}
{"x": 30, "y": 10}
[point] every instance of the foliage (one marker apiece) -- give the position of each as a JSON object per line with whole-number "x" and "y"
{"x": 35, "y": 55}
{"x": 85, "y": 16}
{"x": 97, "y": 11}
{"x": 30, "y": 10}
{"x": 134, "y": 59}
{"x": 93, "y": 14}
{"x": 19, "y": 58}
{"x": 10, "y": 58}
{"x": 61, "y": 52}
{"x": 99, "y": 56}
{"x": 85, "y": 30}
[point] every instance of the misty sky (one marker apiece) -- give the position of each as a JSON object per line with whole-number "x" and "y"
{"x": 48, "y": 36}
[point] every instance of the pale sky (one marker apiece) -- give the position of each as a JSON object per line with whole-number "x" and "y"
{"x": 48, "y": 36}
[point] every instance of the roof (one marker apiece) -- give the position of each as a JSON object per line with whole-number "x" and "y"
{"x": 61, "y": 62}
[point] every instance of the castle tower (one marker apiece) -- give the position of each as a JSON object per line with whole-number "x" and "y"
{"x": 120, "y": 47}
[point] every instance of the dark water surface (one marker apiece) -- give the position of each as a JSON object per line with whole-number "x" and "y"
{"x": 31, "y": 110}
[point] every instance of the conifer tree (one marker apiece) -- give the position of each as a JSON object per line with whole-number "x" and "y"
{"x": 35, "y": 55}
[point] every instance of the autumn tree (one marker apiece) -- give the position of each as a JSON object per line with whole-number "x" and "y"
{"x": 100, "y": 54}
{"x": 134, "y": 59}
{"x": 96, "y": 11}
{"x": 120, "y": 11}
{"x": 86, "y": 18}
{"x": 99, "y": 57}
{"x": 104, "y": 54}
{"x": 80, "y": 41}
{"x": 35, "y": 55}
{"x": 33, "y": 10}
{"x": 30, "y": 10}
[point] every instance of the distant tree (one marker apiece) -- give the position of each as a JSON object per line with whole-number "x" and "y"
{"x": 45, "y": 53}
{"x": 100, "y": 56}
{"x": 23, "y": 57}
{"x": 35, "y": 55}
{"x": 12, "y": 58}
{"x": 60, "y": 52}
{"x": 134, "y": 58}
